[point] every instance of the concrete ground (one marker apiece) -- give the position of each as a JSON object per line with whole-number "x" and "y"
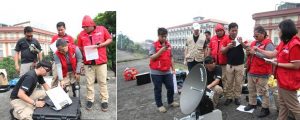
{"x": 137, "y": 102}
{"x": 95, "y": 113}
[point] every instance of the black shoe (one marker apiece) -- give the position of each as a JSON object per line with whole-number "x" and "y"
{"x": 228, "y": 101}
{"x": 264, "y": 112}
{"x": 104, "y": 106}
{"x": 89, "y": 105}
{"x": 249, "y": 107}
{"x": 237, "y": 101}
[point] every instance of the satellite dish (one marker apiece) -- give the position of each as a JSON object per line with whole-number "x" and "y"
{"x": 193, "y": 89}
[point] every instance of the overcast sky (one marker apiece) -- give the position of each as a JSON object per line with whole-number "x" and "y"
{"x": 46, "y": 13}
{"x": 140, "y": 19}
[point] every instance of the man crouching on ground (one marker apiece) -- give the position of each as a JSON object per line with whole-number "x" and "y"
{"x": 24, "y": 97}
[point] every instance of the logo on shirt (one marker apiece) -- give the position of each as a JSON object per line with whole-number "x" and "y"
{"x": 24, "y": 87}
{"x": 98, "y": 33}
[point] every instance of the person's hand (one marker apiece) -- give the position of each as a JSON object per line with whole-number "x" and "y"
{"x": 252, "y": 51}
{"x": 240, "y": 40}
{"x": 255, "y": 48}
{"x": 61, "y": 83}
{"x": 230, "y": 45}
{"x": 99, "y": 45}
{"x": 77, "y": 76}
{"x": 18, "y": 69}
{"x": 173, "y": 71}
{"x": 39, "y": 103}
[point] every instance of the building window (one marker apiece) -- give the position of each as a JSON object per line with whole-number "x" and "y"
{"x": 1, "y": 36}
{"x": 1, "y": 50}
{"x": 276, "y": 20}
{"x": 12, "y": 49}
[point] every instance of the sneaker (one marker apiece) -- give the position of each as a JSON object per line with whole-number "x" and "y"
{"x": 174, "y": 104}
{"x": 264, "y": 112}
{"x": 249, "y": 107}
{"x": 89, "y": 105}
{"x": 162, "y": 109}
{"x": 237, "y": 101}
{"x": 104, "y": 106}
{"x": 228, "y": 101}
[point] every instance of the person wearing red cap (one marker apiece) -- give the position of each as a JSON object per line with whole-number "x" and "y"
{"x": 99, "y": 37}
{"x": 214, "y": 50}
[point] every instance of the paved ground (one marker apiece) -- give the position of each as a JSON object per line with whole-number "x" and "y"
{"x": 95, "y": 113}
{"x": 137, "y": 102}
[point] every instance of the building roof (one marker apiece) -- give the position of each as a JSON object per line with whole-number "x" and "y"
{"x": 200, "y": 22}
{"x": 285, "y": 12}
{"x": 21, "y": 29}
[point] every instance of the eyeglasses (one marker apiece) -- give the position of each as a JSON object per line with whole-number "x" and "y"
{"x": 47, "y": 69}
{"x": 29, "y": 36}
{"x": 255, "y": 36}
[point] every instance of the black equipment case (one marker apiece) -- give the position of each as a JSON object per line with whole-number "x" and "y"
{"x": 71, "y": 112}
{"x": 143, "y": 78}
{"x": 4, "y": 88}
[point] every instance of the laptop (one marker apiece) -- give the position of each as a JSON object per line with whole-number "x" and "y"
{"x": 59, "y": 98}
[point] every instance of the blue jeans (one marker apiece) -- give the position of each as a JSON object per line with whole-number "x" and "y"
{"x": 158, "y": 80}
{"x": 192, "y": 64}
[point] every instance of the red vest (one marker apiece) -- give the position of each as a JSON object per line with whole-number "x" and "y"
{"x": 258, "y": 66}
{"x": 216, "y": 45}
{"x": 72, "y": 59}
{"x": 287, "y": 78}
{"x": 163, "y": 62}
{"x": 99, "y": 35}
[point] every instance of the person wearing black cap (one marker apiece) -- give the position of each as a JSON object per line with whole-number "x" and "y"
{"x": 214, "y": 75}
{"x": 24, "y": 97}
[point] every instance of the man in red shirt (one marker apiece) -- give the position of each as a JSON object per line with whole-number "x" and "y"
{"x": 97, "y": 37}
{"x": 61, "y": 28}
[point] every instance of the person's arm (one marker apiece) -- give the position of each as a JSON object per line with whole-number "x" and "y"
{"x": 79, "y": 43}
{"x": 78, "y": 59}
{"x": 294, "y": 59}
{"x": 40, "y": 55}
{"x": 78, "y": 64}
{"x": 214, "y": 83}
{"x": 226, "y": 47}
{"x": 16, "y": 58}
{"x": 268, "y": 54}
{"x": 107, "y": 38}
{"x": 46, "y": 86}
{"x": 58, "y": 67}
{"x": 156, "y": 55}
{"x": 173, "y": 67}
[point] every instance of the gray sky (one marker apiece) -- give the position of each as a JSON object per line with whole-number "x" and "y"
{"x": 140, "y": 19}
{"x": 46, "y": 13}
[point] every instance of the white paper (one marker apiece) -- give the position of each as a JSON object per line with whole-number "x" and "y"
{"x": 241, "y": 108}
{"x": 91, "y": 52}
{"x": 269, "y": 60}
{"x": 59, "y": 97}
{"x": 53, "y": 47}
{"x": 175, "y": 83}
{"x": 237, "y": 43}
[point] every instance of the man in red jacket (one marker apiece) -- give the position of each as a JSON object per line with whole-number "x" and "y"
{"x": 98, "y": 37}
{"x": 68, "y": 60}
{"x": 214, "y": 50}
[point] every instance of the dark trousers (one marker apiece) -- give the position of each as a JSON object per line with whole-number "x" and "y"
{"x": 158, "y": 80}
{"x": 191, "y": 64}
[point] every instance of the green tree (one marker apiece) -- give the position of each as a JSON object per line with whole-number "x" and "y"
{"x": 8, "y": 64}
{"x": 108, "y": 19}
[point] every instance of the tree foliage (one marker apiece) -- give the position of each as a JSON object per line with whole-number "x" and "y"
{"x": 8, "y": 64}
